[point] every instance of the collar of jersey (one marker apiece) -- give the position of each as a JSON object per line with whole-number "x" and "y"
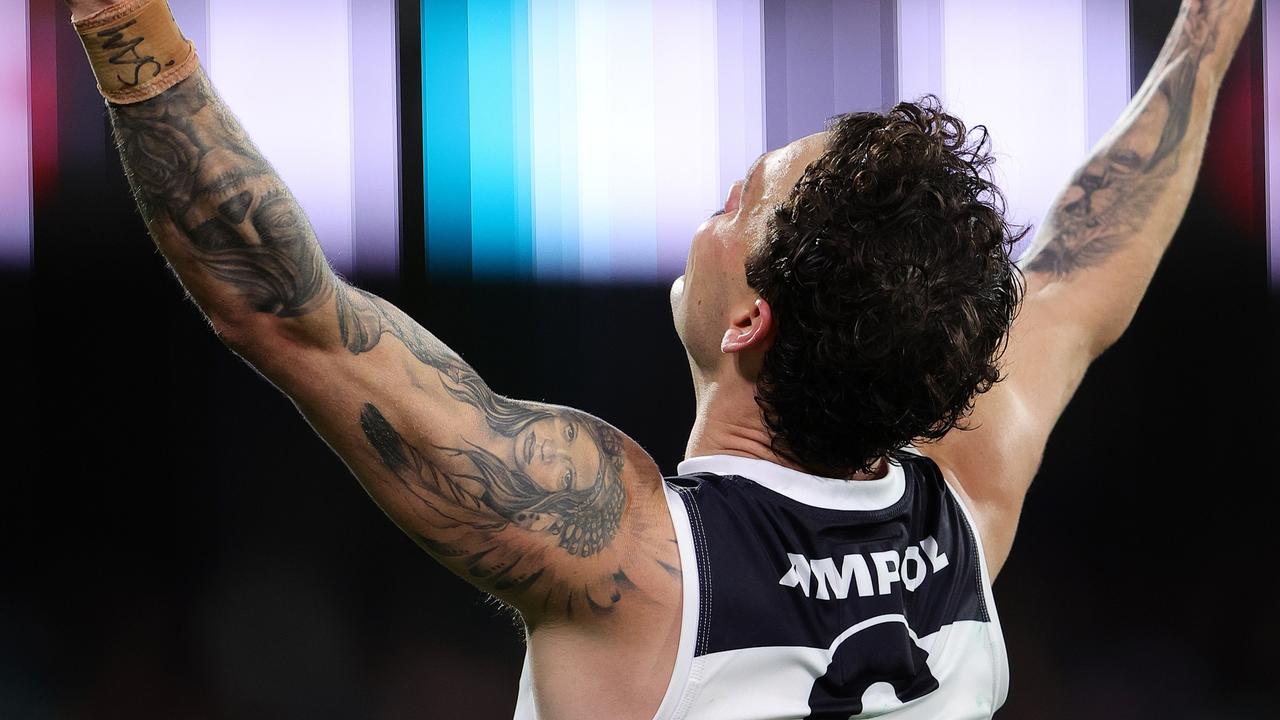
{"x": 813, "y": 490}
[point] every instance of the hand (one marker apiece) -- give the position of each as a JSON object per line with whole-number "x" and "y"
{"x": 81, "y": 9}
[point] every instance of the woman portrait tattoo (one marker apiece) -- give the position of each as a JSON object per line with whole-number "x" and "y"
{"x": 565, "y": 479}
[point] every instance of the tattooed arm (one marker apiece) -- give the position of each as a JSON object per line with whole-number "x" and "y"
{"x": 1091, "y": 262}
{"x": 546, "y": 507}
{"x": 1108, "y": 229}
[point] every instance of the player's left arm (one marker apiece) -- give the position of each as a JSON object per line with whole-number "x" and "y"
{"x": 1089, "y": 266}
{"x": 545, "y": 507}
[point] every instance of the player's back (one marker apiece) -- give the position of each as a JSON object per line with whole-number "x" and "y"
{"x": 808, "y": 597}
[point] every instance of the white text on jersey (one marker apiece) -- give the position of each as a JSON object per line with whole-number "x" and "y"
{"x": 908, "y": 568}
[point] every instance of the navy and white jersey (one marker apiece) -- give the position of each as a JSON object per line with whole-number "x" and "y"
{"x": 809, "y": 597}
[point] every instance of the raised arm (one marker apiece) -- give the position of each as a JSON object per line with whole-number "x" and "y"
{"x": 1110, "y": 226}
{"x": 1091, "y": 263}
{"x": 546, "y": 507}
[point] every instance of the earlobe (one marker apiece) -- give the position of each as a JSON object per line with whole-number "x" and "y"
{"x": 750, "y": 330}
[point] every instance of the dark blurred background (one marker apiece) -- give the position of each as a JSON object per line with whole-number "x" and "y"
{"x": 182, "y": 546}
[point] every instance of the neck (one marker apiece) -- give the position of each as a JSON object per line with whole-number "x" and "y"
{"x": 728, "y": 422}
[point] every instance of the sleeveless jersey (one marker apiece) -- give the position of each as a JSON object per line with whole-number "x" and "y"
{"x": 810, "y": 597}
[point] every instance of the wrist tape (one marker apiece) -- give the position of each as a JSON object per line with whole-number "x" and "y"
{"x": 136, "y": 50}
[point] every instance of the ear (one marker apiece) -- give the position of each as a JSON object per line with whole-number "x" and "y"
{"x": 751, "y": 329}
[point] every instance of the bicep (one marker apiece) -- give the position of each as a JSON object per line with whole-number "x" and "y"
{"x": 995, "y": 455}
{"x": 546, "y": 507}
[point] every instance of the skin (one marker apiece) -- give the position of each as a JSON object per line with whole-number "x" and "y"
{"x": 553, "y": 511}
{"x": 1086, "y": 271}
{"x": 725, "y": 326}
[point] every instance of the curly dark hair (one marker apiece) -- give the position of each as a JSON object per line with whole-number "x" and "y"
{"x": 892, "y": 289}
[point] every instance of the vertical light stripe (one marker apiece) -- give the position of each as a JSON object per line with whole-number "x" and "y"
{"x": 604, "y": 131}
{"x": 553, "y": 120}
{"x": 522, "y": 142}
{"x": 446, "y": 143}
{"x": 633, "y": 183}
{"x": 495, "y": 240}
{"x": 920, "y": 48}
{"x": 15, "y": 137}
{"x": 544, "y": 120}
{"x": 1019, "y": 70}
{"x": 740, "y": 90}
{"x": 616, "y": 124}
{"x": 303, "y": 126}
{"x": 811, "y": 68}
{"x": 1271, "y": 83}
{"x": 888, "y": 53}
{"x": 595, "y": 113}
{"x": 1108, "y": 86}
{"x": 570, "y": 182}
{"x": 823, "y": 59}
{"x": 375, "y": 142}
{"x": 774, "y": 43}
{"x": 685, "y": 151}
{"x": 858, "y": 55}
{"x": 42, "y": 21}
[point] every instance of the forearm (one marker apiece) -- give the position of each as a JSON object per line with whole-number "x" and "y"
{"x": 1098, "y": 249}
{"x": 230, "y": 228}
{"x": 224, "y": 219}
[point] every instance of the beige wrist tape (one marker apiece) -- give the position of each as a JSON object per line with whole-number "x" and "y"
{"x": 136, "y": 49}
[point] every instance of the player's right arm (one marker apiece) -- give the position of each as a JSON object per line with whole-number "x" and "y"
{"x": 545, "y": 507}
{"x": 1090, "y": 264}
